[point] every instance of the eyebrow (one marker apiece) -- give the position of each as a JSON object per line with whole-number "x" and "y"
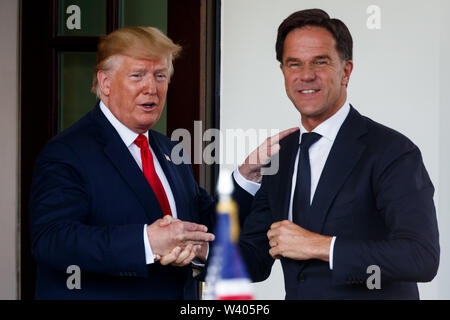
{"x": 291, "y": 59}
{"x": 143, "y": 69}
{"x": 163, "y": 69}
{"x": 138, "y": 69}
{"x": 325, "y": 56}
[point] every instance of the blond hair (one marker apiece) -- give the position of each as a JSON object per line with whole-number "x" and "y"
{"x": 135, "y": 42}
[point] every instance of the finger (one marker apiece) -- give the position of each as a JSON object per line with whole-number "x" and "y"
{"x": 272, "y": 233}
{"x": 275, "y": 252}
{"x": 253, "y": 158}
{"x": 190, "y": 226}
{"x": 274, "y": 148}
{"x": 184, "y": 254}
{"x": 194, "y": 243}
{"x": 190, "y": 258}
{"x": 273, "y": 243}
{"x": 157, "y": 257}
{"x": 275, "y": 225}
{"x": 168, "y": 219}
{"x": 170, "y": 257}
{"x": 283, "y": 134}
{"x": 275, "y": 139}
{"x": 197, "y": 237}
{"x": 187, "y": 260}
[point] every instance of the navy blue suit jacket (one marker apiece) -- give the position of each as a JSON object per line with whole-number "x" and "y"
{"x": 88, "y": 208}
{"x": 375, "y": 195}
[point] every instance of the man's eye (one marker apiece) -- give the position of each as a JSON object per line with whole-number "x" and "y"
{"x": 293, "y": 65}
{"x": 136, "y": 75}
{"x": 321, "y": 62}
{"x": 161, "y": 77}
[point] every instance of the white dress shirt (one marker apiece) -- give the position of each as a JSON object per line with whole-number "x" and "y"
{"x": 318, "y": 154}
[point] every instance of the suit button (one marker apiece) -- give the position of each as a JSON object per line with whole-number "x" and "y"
{"x": 301, "y": 277}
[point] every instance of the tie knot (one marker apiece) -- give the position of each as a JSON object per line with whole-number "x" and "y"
{"x": 141, "y": 141}
{"x": 308, "y": 139}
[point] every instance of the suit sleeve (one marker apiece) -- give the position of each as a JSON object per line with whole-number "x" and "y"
{"x": 404, "y": 199}
{"x": 253, "y": 242}
{"x": 59, "y": 218}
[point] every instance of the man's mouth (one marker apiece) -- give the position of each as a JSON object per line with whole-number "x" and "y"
{"x": 149, "y": 105}
{"x": 309, "y": 91}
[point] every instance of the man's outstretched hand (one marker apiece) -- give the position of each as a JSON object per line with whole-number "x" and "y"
{"x": 251, "y": 168}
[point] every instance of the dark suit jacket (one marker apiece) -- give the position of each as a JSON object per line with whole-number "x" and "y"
{"x": 89, "y": 204}
{"x": 375, "y": 195}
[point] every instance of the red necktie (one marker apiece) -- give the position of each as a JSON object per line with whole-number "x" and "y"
{"x": 149, "y": 171}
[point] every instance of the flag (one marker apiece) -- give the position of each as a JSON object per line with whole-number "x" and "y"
{"x": 227, "y": 277}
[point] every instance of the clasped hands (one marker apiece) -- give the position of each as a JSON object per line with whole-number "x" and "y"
{"x": 178, "y": 242}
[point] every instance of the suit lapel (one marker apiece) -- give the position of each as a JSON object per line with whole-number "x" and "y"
{"x": 125, "y": 164}
{"x": 344, "y": 155}
{"x": 288, "y": 151}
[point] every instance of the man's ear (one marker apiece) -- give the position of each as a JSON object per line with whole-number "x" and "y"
{"x": 104, "y": 81}
{"x": 348, "y": 68}
{"x": 283, "y": 70}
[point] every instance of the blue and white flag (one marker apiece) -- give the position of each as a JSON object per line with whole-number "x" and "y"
{"x": 227, "y": 277}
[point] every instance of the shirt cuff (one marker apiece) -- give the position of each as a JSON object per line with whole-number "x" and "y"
{"x": 197, "y": 262}
{"x": 249, "y": 186}
{"x": 149, "y": 257}
{"x": 331, "y": 252}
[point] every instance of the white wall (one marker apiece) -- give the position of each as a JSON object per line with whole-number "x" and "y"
{"x": 9, "y": 16}
{"x": 400, "y": 79}
{"x": 443, "y": 187}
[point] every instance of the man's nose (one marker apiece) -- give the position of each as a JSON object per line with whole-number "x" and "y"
{"x": 307, "y": 73}
{"x": 150, "y": 85}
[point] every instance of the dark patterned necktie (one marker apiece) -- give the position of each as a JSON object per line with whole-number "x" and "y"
{"x": 302, "y": 193}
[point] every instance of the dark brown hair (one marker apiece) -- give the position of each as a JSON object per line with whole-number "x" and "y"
{"x": 316, "y": 18}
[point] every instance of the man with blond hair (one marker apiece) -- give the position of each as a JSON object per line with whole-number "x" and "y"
{"x": 102, "y": 187}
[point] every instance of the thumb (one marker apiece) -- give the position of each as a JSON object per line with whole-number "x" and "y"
{"x": 166, "y": 220}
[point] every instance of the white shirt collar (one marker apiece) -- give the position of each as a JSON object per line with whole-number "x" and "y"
{"x": 128, "y": 136}
{"x": 330, "y": 127}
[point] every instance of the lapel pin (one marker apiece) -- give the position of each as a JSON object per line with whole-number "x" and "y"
{"x": 167, "y": 157}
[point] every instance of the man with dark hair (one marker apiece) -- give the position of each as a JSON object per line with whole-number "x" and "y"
{"x": 351, "y": 195}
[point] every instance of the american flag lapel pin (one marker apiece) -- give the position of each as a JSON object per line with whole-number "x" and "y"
{"x": 167, "y": 157}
